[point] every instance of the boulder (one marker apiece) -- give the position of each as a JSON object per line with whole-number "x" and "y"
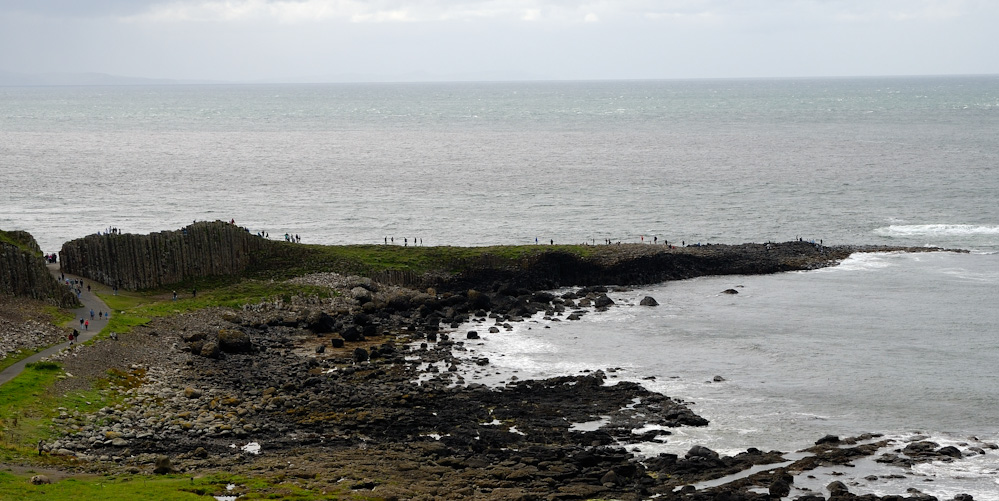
{"x": 360, "y": 355}
{"x": 828, "y": 439}
{"x": 730, "y": 291}
{"x": 779, "y": 488}
{"x": 602, "y": 301}
{"x": 472, "y": 335}
{"x": 163, "y": 466}
{"x": 950, "y": 451}
{"x": 351, "y": 334}
{"x": 837, "y": 488}
{"x": 701, "y": 452}
{"x": 649, "y": 301}
{"x": 210, "y": 350}
{"x": 322, "y": 324}
{"x": 234, "y": 341}
{"x": 336, "y": 342}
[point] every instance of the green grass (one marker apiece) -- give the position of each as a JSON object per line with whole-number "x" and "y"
{"x": 26, "y": 405}
{"x": 142, "y": 487}
{"x": 131, "y": 309}
{"x": 58, "y": 316}
{"x": 288, "y": 260}
{"x": 19, "y": 242}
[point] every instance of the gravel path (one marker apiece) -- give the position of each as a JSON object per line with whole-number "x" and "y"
{"x": 91, "y": 303}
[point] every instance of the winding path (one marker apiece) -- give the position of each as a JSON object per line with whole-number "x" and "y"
{"x": 90, "y": 303}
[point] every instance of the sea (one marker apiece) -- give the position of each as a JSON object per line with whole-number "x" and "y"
{"x": 900, "y": 344}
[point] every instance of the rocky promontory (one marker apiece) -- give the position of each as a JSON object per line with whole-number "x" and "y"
{"x": 365, "y": 391}
{"x": 23, "y": 272}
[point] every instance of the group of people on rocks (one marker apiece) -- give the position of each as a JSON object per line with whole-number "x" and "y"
{"x": 405, "y": 241}
{"x": 110, "y": 230}
{"x": 51, "y": 258}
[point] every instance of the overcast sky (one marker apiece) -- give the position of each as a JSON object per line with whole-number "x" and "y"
{"x": 308, "y": 40}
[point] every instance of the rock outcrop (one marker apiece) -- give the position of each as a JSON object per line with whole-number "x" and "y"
{"x": 131, "y": 262}
{"x": 23, "y": 272}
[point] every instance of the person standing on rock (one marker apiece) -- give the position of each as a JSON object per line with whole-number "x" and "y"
{"x": 86, "y": 325}
{"x": 174, "y": 295}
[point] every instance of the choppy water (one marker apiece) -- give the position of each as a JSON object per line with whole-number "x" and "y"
{"x": 884, "y": 343}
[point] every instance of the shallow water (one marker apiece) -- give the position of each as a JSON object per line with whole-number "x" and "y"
{"x": 859, "y": 348}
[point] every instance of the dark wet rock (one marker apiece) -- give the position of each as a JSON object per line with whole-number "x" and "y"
{"x": 602, "y": 301}
{"x": 472, "y": 335}
{"x": 730, "y": 291}
{"x": 780, "y": 488}
{"x": 828, "y": 439}
{"x": 920, "y": 448}
{"x": 699, "y": 451}
{"x": 649, "y": 301}
{"x": 950, "y": 451}
{"x": 837, "y": 488}
{"x": 336, "y": 342}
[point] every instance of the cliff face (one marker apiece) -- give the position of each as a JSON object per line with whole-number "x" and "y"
{"x": 133, "y": 262}
{"x": 23, "y": 272}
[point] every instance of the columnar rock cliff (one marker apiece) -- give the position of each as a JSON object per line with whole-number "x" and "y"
{"x": 23, "y": 272}
{"x": 133, "y": 262}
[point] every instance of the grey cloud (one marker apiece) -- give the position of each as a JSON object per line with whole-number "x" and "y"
{"x": 77, "y": 8}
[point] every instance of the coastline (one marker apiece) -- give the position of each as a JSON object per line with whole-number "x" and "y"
{"x": 382, "y": 405}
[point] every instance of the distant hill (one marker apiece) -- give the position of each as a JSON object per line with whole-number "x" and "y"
{"x": 12, "y": 79}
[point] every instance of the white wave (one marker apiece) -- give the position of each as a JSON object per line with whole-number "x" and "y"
{"x": 862, "y": 261}
{"x": 942, "y": 230}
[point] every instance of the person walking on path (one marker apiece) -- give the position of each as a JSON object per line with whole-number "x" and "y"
{"x": 90, "y": 302}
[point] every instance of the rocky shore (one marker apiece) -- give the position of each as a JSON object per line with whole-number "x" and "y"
{"x": 360, "y": 395}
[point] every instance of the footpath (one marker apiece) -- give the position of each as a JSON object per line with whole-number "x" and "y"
{"x": 90, "y": 303}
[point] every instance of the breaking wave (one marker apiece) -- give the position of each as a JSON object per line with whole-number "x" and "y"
{"x": 943, "y": 230}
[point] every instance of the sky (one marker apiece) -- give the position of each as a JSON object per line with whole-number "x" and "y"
{"x": 413, "y": 40}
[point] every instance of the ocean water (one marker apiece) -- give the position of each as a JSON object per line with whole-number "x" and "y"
{"x": 898, "y": 344}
